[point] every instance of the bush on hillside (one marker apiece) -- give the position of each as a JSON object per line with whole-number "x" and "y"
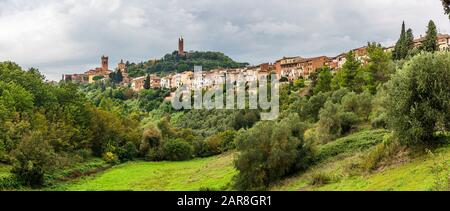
{"x": 227, "y": 141}
{"x": 151, "y": 138}
{"x": 360, "y": 104}
{"x": 382, "y": 152}
{"x": 177, "y": 150}
{"x": 127, "y": 152}
{"x": 202, "y": 149}
{"x": 322, "y": 178}
{"x": 334, "y": 122}
{"x": 270, "y": 151}
{"x": 32, "y": 159}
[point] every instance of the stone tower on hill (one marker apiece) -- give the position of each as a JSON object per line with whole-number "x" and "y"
{"x": 181, "y": 47}
{"x": 105, "y": 63}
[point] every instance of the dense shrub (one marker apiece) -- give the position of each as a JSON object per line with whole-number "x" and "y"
{"x": 152, "y": 99}
{"x": 177, "y": 150}
{"x": 307, "y": 109}
{"x": 245, "y": 119}
{"x": 382, "y": 152}
{"x": 379, "y": 122}
{"x": 33, "y": 158}
{"x": 111, "y": 158}
{"x": 419, "y": 98}
{"x": 215, "y": 144}
{"x": 202, "y": 149}
{"x": 9, "y": 183}
{"x": 110, "y": 130}
{"x": 270, "y": 151}
{"x": 337, "y": 96}
{"x": 322, "y": 178}
{"x": 227, "y": 141}
{"x": 360, "y": 104}
{"x": 127, "y": 152}
{"x": 155, "y": 154}
{"x": 334, "y": 121}
{"x": 151, "y": 138}
{"x": 206, "y": 123}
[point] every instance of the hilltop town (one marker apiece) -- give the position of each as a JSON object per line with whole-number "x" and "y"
{"x": 364, "y": 118}
{"x": 286, "y": 69}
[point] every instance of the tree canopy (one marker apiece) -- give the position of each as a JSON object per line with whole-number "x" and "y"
{"x": 175, "y": 63}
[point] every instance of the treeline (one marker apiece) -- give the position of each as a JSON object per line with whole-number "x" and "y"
{"x": 172, "y": 63}
{"x": 44, "y": 127}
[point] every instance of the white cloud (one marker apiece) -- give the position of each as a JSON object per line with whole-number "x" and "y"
{"x": 61, "y": 36}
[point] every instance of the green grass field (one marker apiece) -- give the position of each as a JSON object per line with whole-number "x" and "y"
{"x": 213, "y": 173}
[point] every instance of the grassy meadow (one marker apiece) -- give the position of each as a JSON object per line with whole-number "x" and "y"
{"x": 213, "y": 173}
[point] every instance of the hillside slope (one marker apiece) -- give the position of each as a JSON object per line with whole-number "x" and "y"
{"x": 340, "y": 173}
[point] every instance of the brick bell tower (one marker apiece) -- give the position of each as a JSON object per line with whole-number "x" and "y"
{"x": 105, "y": 63}
{"x": 181, "y": 47}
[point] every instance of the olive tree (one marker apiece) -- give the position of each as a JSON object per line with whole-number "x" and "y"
{"x": 418, "y": 102}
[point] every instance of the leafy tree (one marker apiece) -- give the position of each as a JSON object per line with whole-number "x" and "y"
{"x": 216, "y": 144}
{"x": 270, "y": 151}
{"x": 430, "y": 44}
{"x": 360, "y": 104}
{"x": 308, "y": 110}
{"x": 299, "y": 83}
{"x": 404, "y": 44}
{"x": 33, "y": 158}
{"x": 364, "y": 80}
{"x": 380, "y": 64}
{"x": 324, "y": 81}
{"x": 167, "y": 131}
{"x": 334, "y": 121}
{"x": 227, "y": 140}
{"x": 150, "y": 99}
{"x": 245, "y": 119}
{"x": 177, "y": 150}
{"x": 111, "y": 132}
{"x": 345, "y": 78}
{"x": 418, "y": 98}
{"x": 151, "y": 139}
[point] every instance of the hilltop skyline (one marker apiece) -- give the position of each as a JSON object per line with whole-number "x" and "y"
{"x": 69, "y": 36}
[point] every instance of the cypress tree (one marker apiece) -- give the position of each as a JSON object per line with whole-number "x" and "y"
{"x": 409, "y": 41}
{"x": 430, "y": 44}
{"x": 400, "y": 45}
{"x": 119, "y": 76}
{"x": 147, "y": 83}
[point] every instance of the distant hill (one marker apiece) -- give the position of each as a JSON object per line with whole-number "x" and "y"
{"x": 175, "y": 63}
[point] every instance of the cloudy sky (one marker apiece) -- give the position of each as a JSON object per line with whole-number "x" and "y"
{"x": 69, "y": 36}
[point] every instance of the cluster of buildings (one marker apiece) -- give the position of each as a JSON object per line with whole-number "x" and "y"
{"x": 98, "y": 74}
{"x": 287, "y": 68}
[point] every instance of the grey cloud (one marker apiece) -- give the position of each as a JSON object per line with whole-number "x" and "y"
{"x": 70, "y": 35}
